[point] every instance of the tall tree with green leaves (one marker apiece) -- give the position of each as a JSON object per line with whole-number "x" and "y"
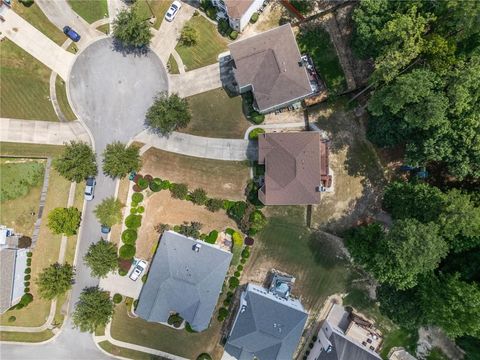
{"x": 64, "y": 220}
{"x": 119, "y": 159}
{"x": 168, "y": 113}
{"x": 94, "y": 309}
{"x": 77, "y": 162}
{"x": 55, "y": 280}
{"x": 109, "y": 211}
{"x": 130, "y": 29}
{"x": 101, "y": 258}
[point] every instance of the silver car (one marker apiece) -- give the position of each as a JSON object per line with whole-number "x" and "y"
{"x": 90, "y": 188}
{"x": 138, "y": 270}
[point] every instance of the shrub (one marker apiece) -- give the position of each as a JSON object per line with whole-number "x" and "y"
{"x": 228, "y": 204}
{"x": 190, "y": 230}
{"x": 307, "y": 352}
{"x": 303, "y": 7}
{"x": 144, "y": 278}
{"x": 12, "y": 319}
{"x": 256, "y": 117}
{"x": 198, "y": 196}
{"x": 237, "y": 239}
{"x": 254, "y": 17}
{"x": 179, "y": 191}
{"x": 127, "y": 251}
{"x": 26, "y": 283}
{"x": 226, "y": 302}
{"x": 125, "y": 264}
{"x": 133, "y": 210}
{"x": 214, "y": 205}
{"x": 24, "y": 242}
{"x": 257, "y": 222}
{"x": 175, "y": 320}
{"x": 26, "y": 277}
{"x": 26, "y": 299}
{"x": 117, "y": 298}
{"x": 136, "y": 188}
{"x": 135, "y": 303}
{"x": 229, "y": 231}
{"x": 305, "y": 357}
{"x": 142, "y": 183}
{"x": 156, "y": 185}
{"x": 243, "y": 261}
{"x": 229, "y": 295}
{"x": 253, "y": 135}
{"x": 211, "y": 13}
{"x": 249, "y": 241}
{"x": 29, "y": 261}
{"x": 212, "y": 237}
{"x": 133, "y": 221}
{"x": 148, "y": 177}
{"x": 28, "y": 270}
{"x": 137, "y": 198}
{"x": 122, "y": 272}
{"x": 237, "y": 211}
{"x": 141, "y": 210}
{"x": 64, "y": 220}
{"x": 29, "y": 254}
{"x": 233, "y": 282}
{"x": 26, "y": 290}
{"x": 310, "y": 345}
{"x": 188, "y": 328}
{"x": 188, "y": 36}
{"x": 245, "y": 253}
{"x": 233, "y": 35}
{"x": 314, "y": 338}
{"x": 137, "y": 177}
{"x": 237, "y": 274}
{"x": 223, "y": 312}
{"x": 204, "y": 356}
{"x": 166, "y": 185}
{"x": 240, "y": 267}
{"x": 129, "y": 236}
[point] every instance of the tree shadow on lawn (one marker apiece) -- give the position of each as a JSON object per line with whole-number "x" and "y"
{"x": 327, "y": 252}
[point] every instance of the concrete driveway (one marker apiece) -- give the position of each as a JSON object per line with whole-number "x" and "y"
{"x": 196, "y": 81}
{"x": 36, "y": 43}
{"x": 122, "y": 285}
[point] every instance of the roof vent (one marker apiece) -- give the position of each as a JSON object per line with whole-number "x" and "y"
{"x": 196, "y": 247}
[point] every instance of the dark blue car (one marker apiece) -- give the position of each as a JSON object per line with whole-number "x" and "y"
{"x": 72, "y": 34}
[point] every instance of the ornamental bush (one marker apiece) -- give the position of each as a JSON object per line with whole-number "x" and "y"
{"x": 198, "y": 196}
{"x": 140, "y": 210}
{"x": 122, "y": 272}
{"x": 166, "y": 185}
{"x": 26, "y": 283}
{"x": 253, "y": 135}
{"x": 240, "y": 267}
{"x": 28, "y": 270}
{"x": 254, "y": 17}
{"x": 179, "y": 191}
{"x": 237, "y": 239}
{"x": 175, "y": 320}
{"x": 237, "y": 211}
{"x": 243, "y": 261}
{"x": 237, "y": 274}
{"x": 127, "y": 251}
{"x": 142, "y": 183}
{"x": 29, "y": 254}
{"x": 245, "y": 253}
{"x": 148, "y": 177}
{"x": 29, "y": 261}
{"x": 26, "y": 290}
{"x": 233, "y": 282}
{"x": 257, "y": 222}
{"x": 233, "y": 35}
{"x": 223, "y": 312}
{"x": 117, "y": 298}
{"x": 133, "y": 221}
{"x": 214, "y": 205}
{"x": 156, "y": 185}
{"x": 212, "y": 237}
{"x": 129, "y": 236}
{"x": 12, "y": 319}
{"x": 137, "y": 197}
{"x": 133, "y": 210}
{"x": 256, "y": 117}
{"x": 26, "y": 277}
{"x": 26, "y": 299}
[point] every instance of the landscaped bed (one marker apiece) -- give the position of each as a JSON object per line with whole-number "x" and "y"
{"x": 208, "y": 45}
{"x": 215, "y": 114}
{"x": 25, "y": 85}
{"x": 91, "y": 11}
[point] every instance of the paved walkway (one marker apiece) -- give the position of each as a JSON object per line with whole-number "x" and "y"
{"x": 202, "y": 147}
{"x": 178, "y": 59}
{"x": 41, "y": 206}
{"x": 196, "y": 81}
{"x": 41, "y": 132}
{"x": 36, "y": 43}
{"x": 61, "y": 14}
{"x": 166, "y": 38}
{"x": 114, "y": 6}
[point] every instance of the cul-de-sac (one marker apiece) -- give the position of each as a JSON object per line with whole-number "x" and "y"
{"x": 240, "y": 179}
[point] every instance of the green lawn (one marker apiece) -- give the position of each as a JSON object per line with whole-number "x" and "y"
{"x": 288, "y": 245}
{"x": 437, "y": 354}
{"x": 209, "y": 45}
{"x": 157, "y": 336}
{"x": 215, "y": 114}
{"x": 172, "y": 65}
{"x": 25, "y": 85}
{"x": 62, "y": 99}
{"x": 156, "y": 8}
{"x": 105, "y": 28}
{"x": 126, "y": 353}
{"x": 316, "y": 42}
{"x": 26, "y": 150}
{"x": 38, "y": 19}
{"x": 25, "y": 337}
{"x": 90, "y": 10}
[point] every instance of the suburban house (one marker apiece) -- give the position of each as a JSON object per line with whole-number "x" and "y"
{"x": 238, "y": 12}
{"x": 345, "y": 336}
{"x": 13, "y": 262}
{"x": 271, "y": 67}
{"x": 296, "y": 167}
{"x": 268, "y": 325}
{"x": 185, "y": 277}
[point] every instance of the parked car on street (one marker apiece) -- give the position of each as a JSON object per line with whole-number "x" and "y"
{"x": 173, "y": 10}
{"x": 138, "y": 270}
{"x": 90, "y": 188}
{"x": 72, "y": 34}
{"x": 105, "y": 229}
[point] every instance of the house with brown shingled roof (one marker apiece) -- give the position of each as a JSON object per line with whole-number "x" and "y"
{"x": 271, "y": 67}
{"x": 296, "y": 168}
{"x": 238, "y": 12}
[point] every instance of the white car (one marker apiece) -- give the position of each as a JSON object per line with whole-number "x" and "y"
{"x": 138, "y": 270}
{"x": 173, "y": 10}
{"x": 90, "y": 188}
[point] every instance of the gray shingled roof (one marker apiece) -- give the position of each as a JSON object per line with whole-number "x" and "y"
{"x": 267, "y": 327}
{"x": 269, "y": 63}
{"x": 13, "y": 263}
{"x": 184, "y": 281}
{"x": 344, "y": 349}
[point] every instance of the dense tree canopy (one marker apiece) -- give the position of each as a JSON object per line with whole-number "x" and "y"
{"x": 130, "y": 29}
{"x": 77, "y": 162}
{"x": 119, "y": 159}
{"x": 94, "y": 309}
{"x": 64, "y": 220}
{"x": 101, "y": 258}
{"x": 168, "y": 113}
{"x": 55, "y": 280}
{"x": 109, "y": 211}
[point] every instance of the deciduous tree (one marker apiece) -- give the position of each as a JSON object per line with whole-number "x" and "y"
{"x": 101, "y": 258}
{"x": 109, "y": 211}
{"x": 130, "y": 29}
{"x": 94, "y": 309}
{"x": 64, "y": 220}
{"x": 55, "y": 280}
{"x": 168, "y": 113}
{"x": 119, "y": 159}
{"x": 77, "y": 162}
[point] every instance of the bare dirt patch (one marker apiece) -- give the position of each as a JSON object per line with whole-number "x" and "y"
{"x": 162, "y": 208}
{"x": 223, "y": 179}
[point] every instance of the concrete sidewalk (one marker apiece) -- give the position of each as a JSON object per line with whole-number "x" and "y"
{"x": 196, "y": 81}
{"x": 36, "y": 43}
{"x": 202, "y": 147}
{"x": 41, "y": 132}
